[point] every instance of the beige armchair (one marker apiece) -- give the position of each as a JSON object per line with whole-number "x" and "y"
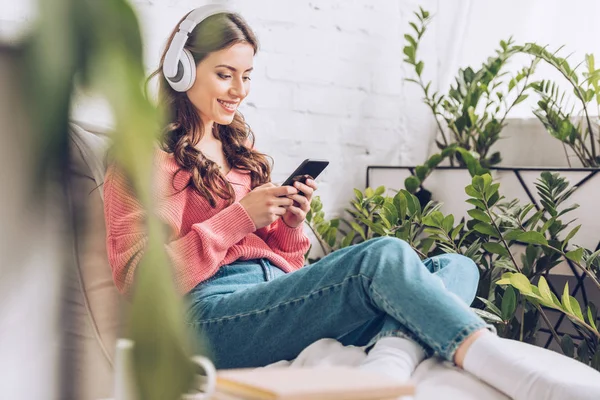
{"x": 93, "y": 304}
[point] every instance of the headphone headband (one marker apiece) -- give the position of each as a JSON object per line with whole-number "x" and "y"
{"x": 176, "y": 68}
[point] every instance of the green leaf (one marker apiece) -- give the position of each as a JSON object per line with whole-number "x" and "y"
{"x": 369, "y": 192}
{"x": 532, "y": 237}
{"x": 477, "y": 203}
{"x": 575, "y": 255}
{"x": 414, "y": 26}
{"x": 513, "y": 235}
{"x": 509, "y": 303}
{"x": 419, "y": 67}
{"x": 583, "y": 354}
{"x": 479, "y": 215}
{"x": 521, "y": 98}
{"x": 521, "y": 283}
{"x": 492, "y": 190}
{"x": 486, "y": 229}
{"x": 358, "y": 229}
{"x": 434, "y": 161}
{"x": 496, "y": 248}
{"x": 590, "y": 319}
{"x": 576, "y": 308}
{"x": 412, "y": 203}
{"x": 411, "y": 40}
{"x": 421, "y": 172}
{"x": 358, "y": 194}
{"x": 570, "y": 236}
{"x": 566, "y": 302}
{"x": 401, "y": 204}
{"x": 596, "y": 361}
{"x": 448, "y": 223}
{"x": 491, "y": 306}
{"x": 410, "y": 52}
{"x": 567, "y": 346}
{"x": 347, "y": 241}
{"x": 412, "y": 183}
{"x": 544, "y": 289}
{"x": 487, "y": 315}
{"x": 473, "y": 192}
{"x": 456, "y": 231}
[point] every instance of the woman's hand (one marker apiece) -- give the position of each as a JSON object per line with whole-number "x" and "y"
{"x": 296, "y": 213}
{"x": 268, "y": 202}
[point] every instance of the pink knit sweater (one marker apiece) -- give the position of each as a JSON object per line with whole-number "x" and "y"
{"x": 202, "y": 238}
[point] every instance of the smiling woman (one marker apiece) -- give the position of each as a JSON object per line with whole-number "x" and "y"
{"x": 223, "y": 60}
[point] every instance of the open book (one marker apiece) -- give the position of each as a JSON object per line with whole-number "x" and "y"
{"x": 323, "y": 383}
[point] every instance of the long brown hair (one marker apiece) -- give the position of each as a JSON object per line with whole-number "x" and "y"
{"x": 184, "y": 128}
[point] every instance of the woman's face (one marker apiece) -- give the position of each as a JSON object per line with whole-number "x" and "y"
{"x": 222, "y": 83}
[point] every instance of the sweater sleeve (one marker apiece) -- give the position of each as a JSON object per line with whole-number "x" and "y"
{"x": 195, "y": 256}
{"x": 290, "y": 243}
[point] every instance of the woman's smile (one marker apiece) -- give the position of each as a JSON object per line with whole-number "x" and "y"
{"x": 229, "y": 106}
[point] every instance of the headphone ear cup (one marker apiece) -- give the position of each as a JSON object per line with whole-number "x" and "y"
{"x": 186, "y": 72}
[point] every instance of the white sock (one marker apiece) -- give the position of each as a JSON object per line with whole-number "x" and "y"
{"x": 522, "y": 375}
{"x": 395, "y": 357}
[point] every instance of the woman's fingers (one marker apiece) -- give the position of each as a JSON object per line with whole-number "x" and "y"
{"x": 301, "y": 214}
{"x": 304, "y": 188}
{"x": 285, "y": 201}
{"x": 300, "y": 201}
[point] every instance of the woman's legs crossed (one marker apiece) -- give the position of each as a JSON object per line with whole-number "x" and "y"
{"x": 256, "y": 324}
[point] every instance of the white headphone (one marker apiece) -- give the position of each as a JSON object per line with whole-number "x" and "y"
{"x": 179, "y": 67}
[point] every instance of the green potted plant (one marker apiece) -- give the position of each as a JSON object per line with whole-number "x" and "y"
{"x": 471, "y": 116}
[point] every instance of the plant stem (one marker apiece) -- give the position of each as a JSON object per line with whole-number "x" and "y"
{"x": 512, "y": 258}
{"x": 580, "y": 96}
{"x": 547, "y": 321}
{"x": 567, "y": 155}
{"x": 423, "y": 256}
{"x": 522, "y": 319}
{"x": 537, "y": 306}
{"x": 325, "y": 252}
{"x": 521, "y": 92}
{"x": 434, "y": 111}
{"x": 581, "y": 267}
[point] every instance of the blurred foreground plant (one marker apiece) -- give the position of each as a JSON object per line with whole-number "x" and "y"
{"x": 98, "y": 44}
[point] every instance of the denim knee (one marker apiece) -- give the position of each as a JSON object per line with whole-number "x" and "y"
{"x": 468, "y": 269}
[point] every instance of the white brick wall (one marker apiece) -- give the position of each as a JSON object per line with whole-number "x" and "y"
{"x": 328, "y": 83}
{"x": 329, "y": 78}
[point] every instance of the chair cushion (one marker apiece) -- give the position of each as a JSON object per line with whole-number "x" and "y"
{"x": 94, "y": 319}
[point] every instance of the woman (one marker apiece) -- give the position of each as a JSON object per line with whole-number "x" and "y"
{"x": 237, "y": 246}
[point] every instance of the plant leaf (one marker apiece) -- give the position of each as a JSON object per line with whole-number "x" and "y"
{"x": 486, "y": 229}
{"x": 487, "y": 315}
{"x": 496, "y": 248}
{"x": 544, "y": 289}
{"x": 570, "y": 236}
{"x": 575, "y": 255}
{"x": 520, "y": 282}
{"x": 509, "y": 303}
{"x": 567, "y": 346}
{"x": 491, "y": 306}
{"x": 479, "y": 215}
{"x": 532, "y": 237}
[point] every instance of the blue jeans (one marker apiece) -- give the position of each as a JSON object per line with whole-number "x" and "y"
{"x": 253, "y": 314}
